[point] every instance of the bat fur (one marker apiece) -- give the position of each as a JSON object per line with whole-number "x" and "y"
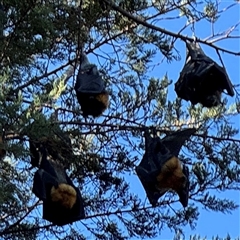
{"x": 64, "y": 194}
{"x": 93, "y": 104}
{"x": 171, "y": 175}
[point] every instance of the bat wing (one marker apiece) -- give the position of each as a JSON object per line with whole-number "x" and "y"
{"x": 175, "y": 141}
{"x": 46, "y": 165}
{"x": 89, "y": 82}
{"x": 206, "y": 65}
{"x": 156, "y": 155}
{"x": 2, "y": 148}
{"x": 224, "y": 79}
{"x": 153, "y": 194}
{"x": 42, "y": 184}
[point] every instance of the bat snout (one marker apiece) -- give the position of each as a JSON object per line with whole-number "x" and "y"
{"x": 183, "y": 197}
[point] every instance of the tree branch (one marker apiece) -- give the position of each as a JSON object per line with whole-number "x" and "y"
{"x": 164, "y": 31}
{"x": 26, "y": 230}
{"x": 19, "y": 220}
{"x": 115, "y": 127}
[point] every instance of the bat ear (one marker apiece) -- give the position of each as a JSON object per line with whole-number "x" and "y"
{"x": 35, "y": 154}
{"x": 175, "y": 141}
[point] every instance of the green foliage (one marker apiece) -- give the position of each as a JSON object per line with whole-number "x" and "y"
{"x": 41, "y": 42}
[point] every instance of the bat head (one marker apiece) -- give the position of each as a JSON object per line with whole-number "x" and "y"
{"x": 173, "y": 176}
{"x": 93, "y": 104}
{"x": 66, "y": 208}
{"x": 183, "y": 192}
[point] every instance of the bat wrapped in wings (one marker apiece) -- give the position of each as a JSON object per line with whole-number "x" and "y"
{"x": 62, "y": 201}
{"x": 202, "y": 80}
{"x": 90, "y": 89}
{"x": 160, "y": 169}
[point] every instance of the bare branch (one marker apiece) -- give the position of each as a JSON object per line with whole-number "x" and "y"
{"x": 164, "y": 31}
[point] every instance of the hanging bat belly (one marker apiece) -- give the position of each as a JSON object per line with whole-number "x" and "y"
{"x": 64, "y": 194}
{"x": 171, "y": 176}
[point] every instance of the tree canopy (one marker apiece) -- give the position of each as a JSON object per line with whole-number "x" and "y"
{"x": 128, "y": 40}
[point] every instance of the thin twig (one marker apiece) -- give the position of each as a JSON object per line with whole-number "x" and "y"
{"x": 164, "y": 31}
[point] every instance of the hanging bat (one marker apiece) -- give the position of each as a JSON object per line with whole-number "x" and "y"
{"x": 160, "y": 169}
{"x": 90, "y": 89}
{"x": 202, "y": 80}
{"x": 62, "y": 201}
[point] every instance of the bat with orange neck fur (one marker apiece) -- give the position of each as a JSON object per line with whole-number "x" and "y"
{"x": 90, "y": 89}
{"x": 62, "y": 201}
{"x": 160, "y": 169}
